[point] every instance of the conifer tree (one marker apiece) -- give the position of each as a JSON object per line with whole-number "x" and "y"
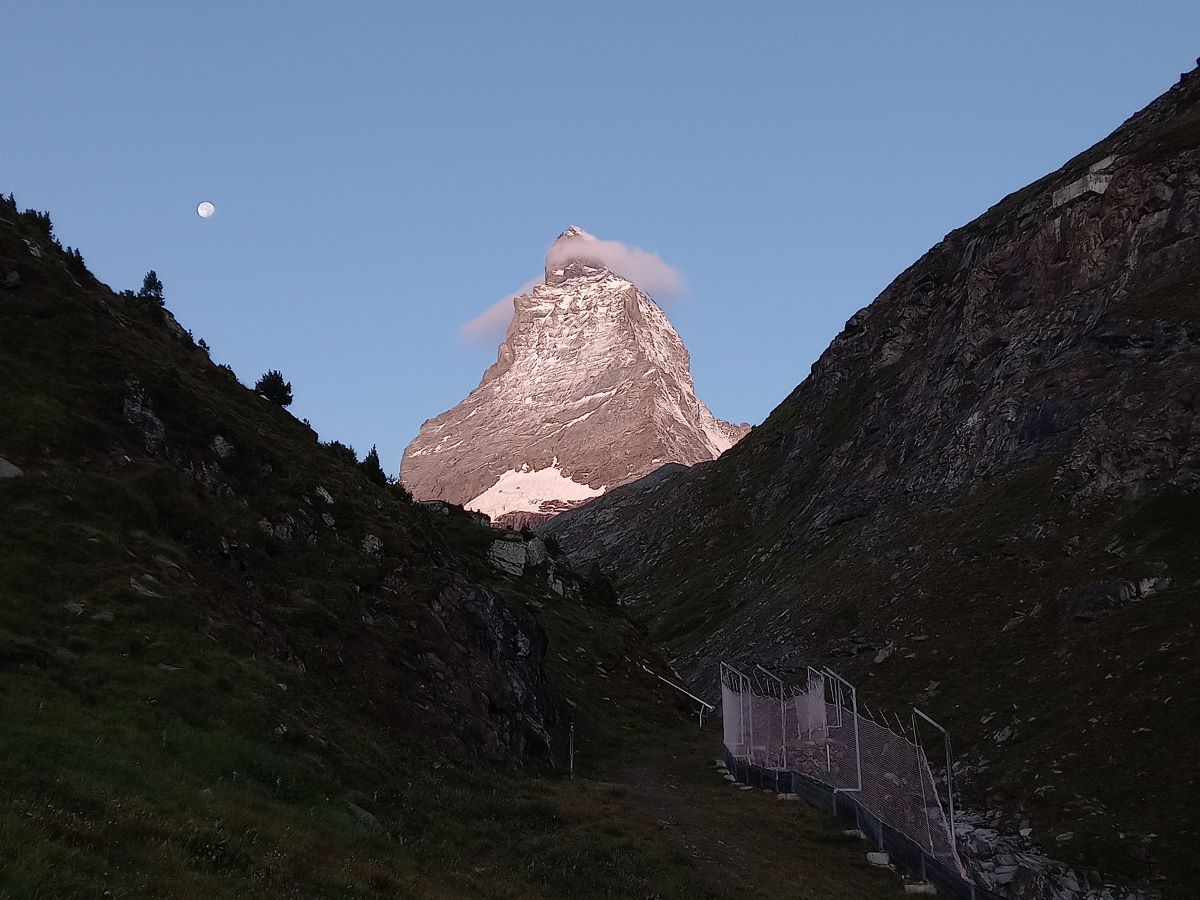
{"x": 152, "y": 289}
{"x": 273, "y": 387}
{"x": 372, "y": 469}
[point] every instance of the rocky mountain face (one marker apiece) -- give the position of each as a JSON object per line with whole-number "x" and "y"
{"x": 984, "y": 499}
{"x": 591, "y": 389}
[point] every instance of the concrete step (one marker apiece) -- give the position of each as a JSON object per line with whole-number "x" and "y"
{"x": 920, "y": 887}
{"x": 878, "y": 858}
{"x": 855, "y": 833}
{"x": 787, "y": 796}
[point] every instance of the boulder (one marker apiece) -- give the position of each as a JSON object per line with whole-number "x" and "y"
{"x": 535, "y": 552}
{"x": 438, "y": 506}
{"x": 221, "y": 447}
{"x": 508, "y": 556}
{"x": 1098, "y": 598}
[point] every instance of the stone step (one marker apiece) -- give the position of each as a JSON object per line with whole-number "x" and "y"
{"x": 855, "y": 833}
{"x": 920, "y": 887}
{"x": 878, "y": 858}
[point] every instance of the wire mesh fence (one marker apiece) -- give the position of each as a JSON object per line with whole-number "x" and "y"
{"x": 816, "y": 730}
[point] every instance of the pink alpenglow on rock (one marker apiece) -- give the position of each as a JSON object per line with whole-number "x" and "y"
{"x": 591, "y": 389}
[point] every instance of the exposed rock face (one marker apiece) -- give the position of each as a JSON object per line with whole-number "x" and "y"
{"x": 140, "y": 413}
{"x": 1061, "y": 327}
{"x": 499, "y": 669}
{"x": 988, "y": 471}
{"x": 591, "y": 389}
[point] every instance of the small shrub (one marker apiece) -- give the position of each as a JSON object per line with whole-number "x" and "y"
{"x": 343, "y": 452}
{"x": 39, "y": 223}
{"x": 372, "y": 469}
{"x": 274, "y": 388}
{"x": 75, "y": 263}
{"x": 399, "y": 490}
{"x": 600, "y": 587}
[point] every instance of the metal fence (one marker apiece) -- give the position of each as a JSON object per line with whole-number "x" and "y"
{"x": 812, "y": 740}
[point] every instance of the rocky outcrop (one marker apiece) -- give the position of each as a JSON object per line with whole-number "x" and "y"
{"x": 591, "y": 389}
{"x": 1001, "y": 855}
{"x": 508, "y": 555}
{"x": 140, "y": 413}
{"x": 497, "y": 672}
{"x": 518, "y": 555}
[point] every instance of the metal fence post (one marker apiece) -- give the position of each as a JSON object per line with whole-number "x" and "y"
{"x": 854, "y": 704}
{"x": 749, "y": 694}
{"x": 571, "y": 750}
{"x": 949, "y": 768}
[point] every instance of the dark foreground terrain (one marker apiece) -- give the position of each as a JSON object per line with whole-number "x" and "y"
{"x": 235, "y": 662}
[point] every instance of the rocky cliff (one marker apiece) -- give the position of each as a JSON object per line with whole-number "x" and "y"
{"x": 985, "y": 497}
{"x": 591, "y": 389}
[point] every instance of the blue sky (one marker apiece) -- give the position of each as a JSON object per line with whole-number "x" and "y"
{"x": 384, "y": 172}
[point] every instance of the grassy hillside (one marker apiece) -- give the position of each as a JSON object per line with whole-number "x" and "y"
{"x": 233, "y": 665}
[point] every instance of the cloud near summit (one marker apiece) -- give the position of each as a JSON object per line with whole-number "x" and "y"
{"x": 645, "y": 269}
{"x": 491, "y": 324}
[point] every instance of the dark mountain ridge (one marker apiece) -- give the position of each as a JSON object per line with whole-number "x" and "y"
{"x": 986, "y": 498}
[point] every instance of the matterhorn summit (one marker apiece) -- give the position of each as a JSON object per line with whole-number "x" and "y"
{"x": 590, "y": 390}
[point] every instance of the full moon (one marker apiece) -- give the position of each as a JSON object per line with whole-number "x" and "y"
{"x": 205, "y": 210}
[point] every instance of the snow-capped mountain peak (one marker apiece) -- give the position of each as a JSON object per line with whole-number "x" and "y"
{"x": 591, "y": 389}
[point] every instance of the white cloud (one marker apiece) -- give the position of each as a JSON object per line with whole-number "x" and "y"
{"x": 490, "y": 325}
{"x": 647, "y": 270}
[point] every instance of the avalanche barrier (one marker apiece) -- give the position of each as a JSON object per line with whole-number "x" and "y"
{"x": 811, "y": 740}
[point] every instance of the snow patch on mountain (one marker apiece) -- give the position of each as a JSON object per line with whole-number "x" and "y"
{"x": 529, "y": 490}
